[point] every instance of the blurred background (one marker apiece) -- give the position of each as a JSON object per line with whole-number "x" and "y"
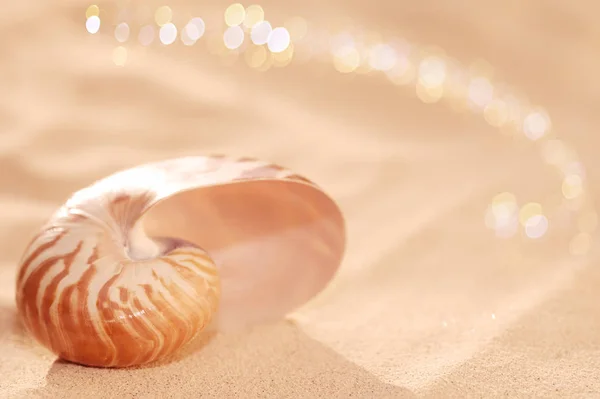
{"x": 458, "y": 137}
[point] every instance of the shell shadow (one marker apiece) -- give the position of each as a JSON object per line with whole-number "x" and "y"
{"x": 277, "y": 360}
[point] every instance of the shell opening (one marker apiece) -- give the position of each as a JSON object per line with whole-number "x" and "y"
{"x": 276, "y": 244}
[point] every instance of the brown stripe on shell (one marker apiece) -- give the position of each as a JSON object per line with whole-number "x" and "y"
{"x": 38, "y": 252}
{"x": 68, "y": 323}
{"x": 123, "y": 294}
{"x": 144, "y": 331}
{"x": 55, "y": 337}
{"x": 164, "y": 321}
{"x": 199, "y": 266}
{"x": 77, "y": 328}
{"x": 90, "y": 347}
{"x": 28, "y": 298}
{"x": 125, "y": 209}
{"x": 173, "y": 322}
{"x": 152, "y": 330}
{"x": 124, "y": 347}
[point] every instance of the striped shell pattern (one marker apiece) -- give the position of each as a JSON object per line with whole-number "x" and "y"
{"x": 95, "y": 289}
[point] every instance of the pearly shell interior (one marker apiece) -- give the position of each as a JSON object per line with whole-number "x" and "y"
{"x": 276, "y": 243}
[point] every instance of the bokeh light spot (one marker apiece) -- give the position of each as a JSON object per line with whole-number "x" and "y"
{"x": 163, "y": 15}
{"x": 254, "y": 15}
{"x": 196, "y": 28}
{"x": 432, "y": 72}
{"x": 501, "y": 216}
{"x": 504, "y": 205}
{"x": 92, "y": 11}
{"x": 92, "y": 24}
{"x": 168, "y": 34}
{"x": 146, "y": 35}
{"x": 536, "y": 125}
{"x": 382, "y": 57}
{"x": 402, "y": 73}
{"x": 279, "y": 40}
{"x": 480, "y": 92}
{"x": 235, "y": 14}
{"x": 233, "y": 37}
{"x": 536, "y": 226}
{"x": 260, "y": 33}
{"x": 572, "y": 186}
{"x": 185, "y": 36}
{"x": 192, "y": 31}
{"x": 346, "y": 59}
{"x": 283, "y": 58}
{"x": 119, "y": 56}
{"x": 256, "y": 56}
{"x": 429, "y": 95}
{"x": 122, "y": 32}
{"x": 528, "y": 211}
{"x": 496, "y": 113}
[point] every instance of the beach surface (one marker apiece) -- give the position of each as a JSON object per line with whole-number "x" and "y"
{"x": 428, "y": 301}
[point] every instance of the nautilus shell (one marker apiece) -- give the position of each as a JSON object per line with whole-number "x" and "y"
{"x": 133, "y": 267}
